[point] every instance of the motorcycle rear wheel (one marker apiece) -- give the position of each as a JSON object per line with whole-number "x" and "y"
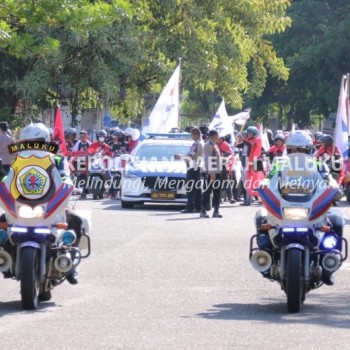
{"x": 295, "y": 281}
{"x": 29, "y": 278}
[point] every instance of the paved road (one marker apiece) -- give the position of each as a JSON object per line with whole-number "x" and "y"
{"x": 158, "y": 279}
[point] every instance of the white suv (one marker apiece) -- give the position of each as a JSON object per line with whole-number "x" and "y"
{"x": 153, "y": 174}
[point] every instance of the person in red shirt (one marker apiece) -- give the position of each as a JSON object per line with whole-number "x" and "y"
{"x": 226, "y": 153}
{"x": 100, "y": 145}
{"x": 132, "y": 136}
{"x": 278, "y": 149}
{"x": 253, "y": 173}
{"x": 316, "y": 140}
{"x": 330, "y": 153}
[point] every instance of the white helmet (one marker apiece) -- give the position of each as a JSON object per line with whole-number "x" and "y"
{"x": 134, "y": 133}
{"x": 35, "y": 131}
{"x": 299, "y": 141}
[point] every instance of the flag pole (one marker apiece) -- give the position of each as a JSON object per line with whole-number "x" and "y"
{"x": 178, "y": 97}
{"x": 347, "y": 104}
{"x": 243, "y": 125}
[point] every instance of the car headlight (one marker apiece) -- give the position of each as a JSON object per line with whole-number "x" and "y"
{"x": 295, "y": 213}
{"x": 27, "y": 212}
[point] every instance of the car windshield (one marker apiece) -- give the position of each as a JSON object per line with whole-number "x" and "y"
{"x": 160, "y": 152}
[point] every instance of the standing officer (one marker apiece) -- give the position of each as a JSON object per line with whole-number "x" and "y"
{"x": 212, "y": 183}
{"x": 193, "y": 176}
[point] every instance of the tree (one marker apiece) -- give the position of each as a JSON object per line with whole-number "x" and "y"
{"x": 115, "y": 52}
{"x": 315, "y": 50}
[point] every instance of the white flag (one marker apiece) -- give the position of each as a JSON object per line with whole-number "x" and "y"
{"x": 293, "y": 128}
{"x": 341, "y": 127}
{"x": 240, "y": 118}
{"x": 264, "y": 138}
{"x": 165, "y": 113}
{"x": 221, "y": 123}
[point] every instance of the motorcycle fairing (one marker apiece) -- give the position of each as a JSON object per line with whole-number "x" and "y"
{"x": 7, "y": 200}
{"x": 270, "y": 202}
{"x": 322, "y": 203}
{"x": 42, "y": 166}
{"x": 318, "y": 200}
{"x": 60, "y": 197}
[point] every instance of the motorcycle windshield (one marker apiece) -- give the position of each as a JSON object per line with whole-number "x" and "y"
{"x": 297, "y": 188}
{"x": 298, "y": 178}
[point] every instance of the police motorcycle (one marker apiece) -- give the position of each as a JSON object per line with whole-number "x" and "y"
{"x": 99, "y": 154}
{"x": 96, "y": 176}
{"x": 38, "y": 245}
{"x": 94, "y": 169}
{"x": 115, "y": 163}
{"x": 299, "y": 241}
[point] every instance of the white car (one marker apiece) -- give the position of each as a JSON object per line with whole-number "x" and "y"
{"x": 153, "y": 174}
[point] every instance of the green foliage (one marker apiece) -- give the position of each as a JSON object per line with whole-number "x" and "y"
{"x": 315, "y": 49}
{"x": 117, "y": 52}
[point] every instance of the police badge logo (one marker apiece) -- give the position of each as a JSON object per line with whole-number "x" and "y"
{"x": 32, "y": 180}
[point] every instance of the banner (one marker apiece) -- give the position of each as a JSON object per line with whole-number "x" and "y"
{"x": 341, "y": 127}
{"x": 58, "y": 132}
{"x": 240, "y": 118}
{"x": 165, "y": 113}
{"x": 221, "y": 123}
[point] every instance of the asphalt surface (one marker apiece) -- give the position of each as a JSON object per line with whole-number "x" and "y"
{"x": 158, "y": 279}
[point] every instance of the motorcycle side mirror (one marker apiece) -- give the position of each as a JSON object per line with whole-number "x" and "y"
{"x": 84, "y": 246}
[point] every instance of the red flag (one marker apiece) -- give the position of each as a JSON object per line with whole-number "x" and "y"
{"x": 58, "y": 133}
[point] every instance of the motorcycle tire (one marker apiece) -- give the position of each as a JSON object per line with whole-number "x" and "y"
{"x": 29, "y": 278}
{"x": 294, "y": 280}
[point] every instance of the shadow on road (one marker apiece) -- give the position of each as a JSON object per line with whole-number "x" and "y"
{"x": 14, "y": 307}
{"x": 163, "y": 208}
{"x": 324, "y": 311}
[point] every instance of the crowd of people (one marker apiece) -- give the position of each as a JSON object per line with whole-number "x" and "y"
{"x": 241, "y": 165}
{"x": 237, "y": 162}
{"x": 111, "y": 142}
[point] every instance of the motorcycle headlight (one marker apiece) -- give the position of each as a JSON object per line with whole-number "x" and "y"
{"x": 296, "y": 213}
{"x": 27, "y": 212}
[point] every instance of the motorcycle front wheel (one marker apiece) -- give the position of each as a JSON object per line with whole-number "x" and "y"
{"x": 294, "y": 280}
{"x": 29, "y": 278}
